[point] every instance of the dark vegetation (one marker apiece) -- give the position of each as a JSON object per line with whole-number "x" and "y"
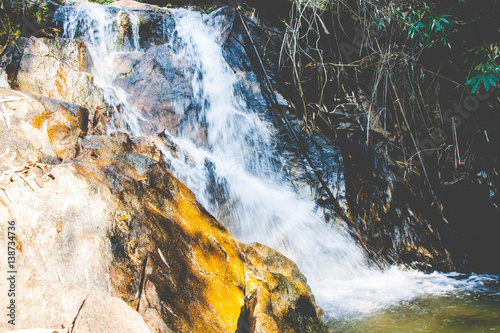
{"x": 409, "y": 91}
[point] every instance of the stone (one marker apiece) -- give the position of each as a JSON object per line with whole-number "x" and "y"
{"x": 102, "y": 313}
{"x": 57, "y": 68}
{"x": 62, "y": 123}
{"x": 158, "y": 70}
{"x": 277, "y": 297}
{"x": 191, "y": 271}
{"x": 155, "y": 24}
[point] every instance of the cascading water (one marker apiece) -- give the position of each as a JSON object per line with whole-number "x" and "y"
{"x": 239, "y": 146}
{"x": 226, "y": 154}
{"x": 3, "y": 79}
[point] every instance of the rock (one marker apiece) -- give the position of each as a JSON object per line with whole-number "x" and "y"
{"x": 194, "y": 275}
{"x": 277, "y": 297}
{"x": 115, "y": 222}
{"x": 54, "y": 267}
{"x": 192, "y": 266}
{"x": 101, "y": 313}
{"x": 223, "y": 17}
{"x": 56, "y": 68}
{"x": 158, "y": 70}
{"x": 33, "y": 16}
{"x": 68, "y": 308}
{"x": 155, "y": 24}
{"x": 44, "y": 303}
{"x": 62, "y": 123}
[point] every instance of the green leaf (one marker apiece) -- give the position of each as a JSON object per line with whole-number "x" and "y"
{"x": 472, "y": 80}
{"x": 490, "y": 80}
{"x": 475, "y": 86}
{"x": 438, "y": 26}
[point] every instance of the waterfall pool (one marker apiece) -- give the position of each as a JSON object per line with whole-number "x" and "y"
{"x": 474, "y": 309}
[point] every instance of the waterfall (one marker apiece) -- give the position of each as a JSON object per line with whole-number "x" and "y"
{"x": 226, "y": 154}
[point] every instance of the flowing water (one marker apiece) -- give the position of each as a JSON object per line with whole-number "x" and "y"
{"x": 236, "y": 172}
{"x": 3, "y": 79}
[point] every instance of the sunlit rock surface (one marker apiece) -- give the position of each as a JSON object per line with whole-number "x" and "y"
{"x": 108, "y": 240}
{"x": 58, "y": 68}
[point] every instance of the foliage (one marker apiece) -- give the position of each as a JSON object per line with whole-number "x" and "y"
{"x": 400, "y": 74}
{"x": 488, "y": 76}
{"x": 102, "y": 2}
{"x": 426, "y": 30}
{"x": 9, "y": 28}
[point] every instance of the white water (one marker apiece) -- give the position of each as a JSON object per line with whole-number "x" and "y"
{"x": 3, "y": 79}
{"x": 255, "y": 200}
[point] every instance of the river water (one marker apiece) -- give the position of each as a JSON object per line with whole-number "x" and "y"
{"x": 236, "y": 172}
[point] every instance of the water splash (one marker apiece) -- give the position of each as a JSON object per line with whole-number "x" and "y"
{"x": 97, "y": 27}
{"x": 3, "y": 79}
{"x": 226, "y": 154}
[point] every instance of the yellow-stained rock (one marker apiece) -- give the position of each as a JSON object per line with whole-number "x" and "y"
{"x": 61, "y": 122}
{"x": 118, "y": 222}
{"x": 194, "y": 276}
{"x": 278, "y": 298}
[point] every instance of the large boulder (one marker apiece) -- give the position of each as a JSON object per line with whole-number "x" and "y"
{"x": 158, "y": 87}
{"x": 59, "y": 69}
{"x": 112, "y": 241}
{"x": 277, "y": 297}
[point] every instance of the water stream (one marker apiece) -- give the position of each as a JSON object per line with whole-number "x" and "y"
{"x": 226, "y": 154}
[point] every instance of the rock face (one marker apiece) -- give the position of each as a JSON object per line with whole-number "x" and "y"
{"x": 62, "y": 124}
{"x": 58, "y": 68}
{"x": 111, "y": 241}
{"x": 144, "y": 76}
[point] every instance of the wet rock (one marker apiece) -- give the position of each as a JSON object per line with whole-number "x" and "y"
{"x": 223, "y": 17}
{"x": 277, "y": 296}
{"x": 57, "y": 68}
{"x": 240, "y": 55}
{"x": 154, "y": 24}
{"x": 159, "y": 87}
